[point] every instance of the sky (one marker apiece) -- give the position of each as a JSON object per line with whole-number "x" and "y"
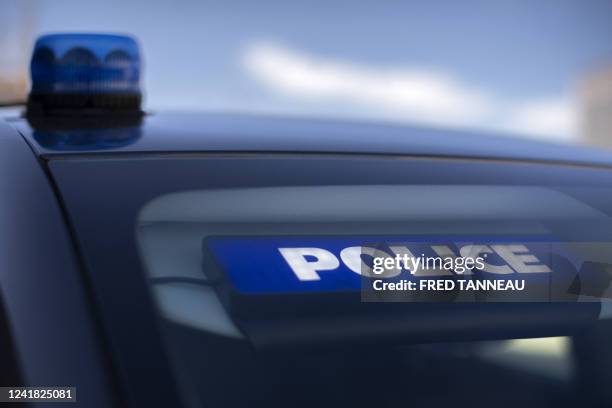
{"x": 509, "y": 66}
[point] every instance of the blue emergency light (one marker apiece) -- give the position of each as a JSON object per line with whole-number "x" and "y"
{"x": 85, "y": 74}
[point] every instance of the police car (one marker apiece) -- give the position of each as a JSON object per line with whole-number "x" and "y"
{"x": 170, "y": 259}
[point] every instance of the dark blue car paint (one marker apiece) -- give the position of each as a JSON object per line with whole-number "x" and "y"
{"x": 185, "y": 133}
{"x": 50, "y": 315}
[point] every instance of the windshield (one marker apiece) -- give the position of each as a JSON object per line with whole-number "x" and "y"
{"x": 536, "y": 69}
{"x": 248, "y": 261}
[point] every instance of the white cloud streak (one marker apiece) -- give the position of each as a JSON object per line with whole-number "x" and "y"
{"x": 408, "y": 93}
{"x": 548, "y": 117}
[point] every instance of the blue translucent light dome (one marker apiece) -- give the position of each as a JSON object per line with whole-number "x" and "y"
{"x": 85, "y": 63}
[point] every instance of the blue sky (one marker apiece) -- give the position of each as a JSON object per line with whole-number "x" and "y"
{"x": 513, "y": 57}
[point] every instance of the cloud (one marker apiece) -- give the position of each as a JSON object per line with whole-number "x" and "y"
{"x": 408, "y": 93}
{"x": 552, "y": 117}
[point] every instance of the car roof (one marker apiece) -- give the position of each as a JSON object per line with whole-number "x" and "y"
{"x": 162, "y": 133}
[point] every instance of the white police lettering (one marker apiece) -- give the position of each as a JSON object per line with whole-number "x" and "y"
{"x": 520, "y": 259}
{"x": 306, "y": 263}
{"x": 352, "y": 258}
{"x": 307, "y": 270}
{"x": 417, "y": 268}
{"x": 477, "y": 250}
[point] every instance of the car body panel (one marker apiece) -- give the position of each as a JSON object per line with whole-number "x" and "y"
{"x": 208, "y": 132}
{"x": 43, "y": 293}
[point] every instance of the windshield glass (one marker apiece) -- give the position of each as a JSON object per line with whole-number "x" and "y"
{"x": 249, "y": 262}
